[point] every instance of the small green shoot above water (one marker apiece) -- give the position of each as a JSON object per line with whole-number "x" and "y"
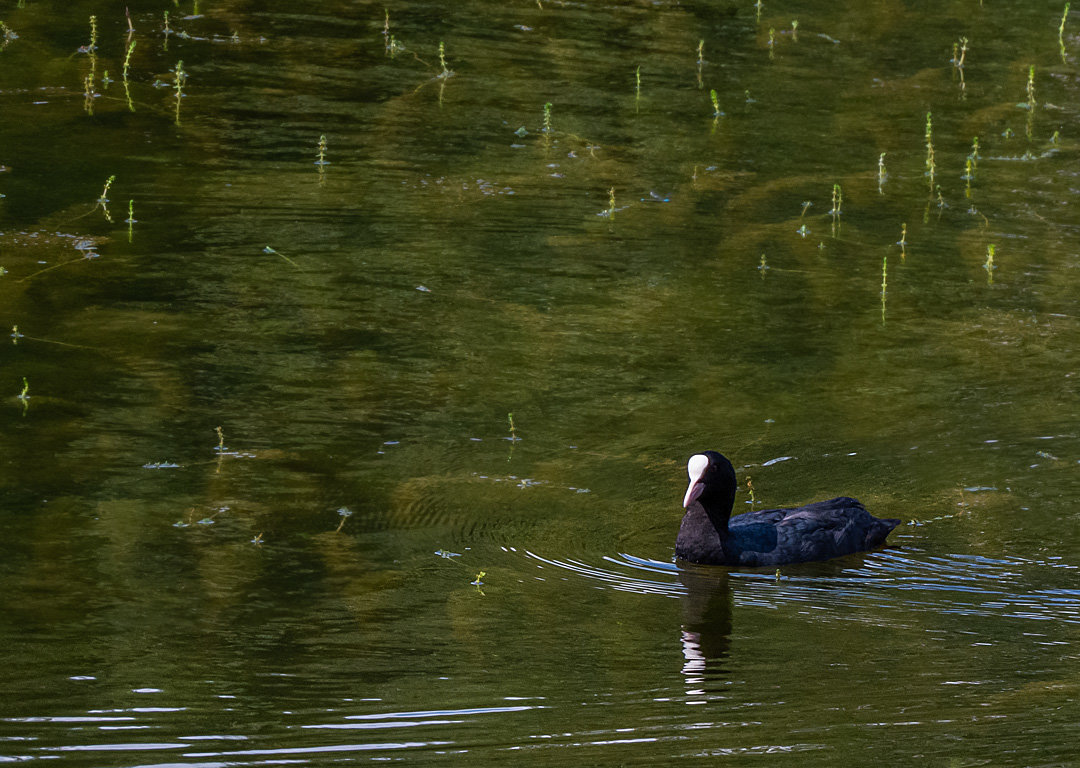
{"x": 7, "y": 34}
{"x": 881, "y": 175}
{"x": 345, "y": 513}
{"x": 24, "y": 395}
{"x": 837, "y": 200}
{"x": 127, "y": 60}
{"x": 124, "y": 77}
{"x": 959, "y": 53}
{"x": 611, "y": 204}
{"x": 700, "y": 62}
{"x": 989, "y": 265}
{"x": 884, "y": 284}
{"x": 103, "y": 199}
{"x": 513, "y": 436}
{"x": 931, "y": 165}
{"x": 446, "y": 71}
{"x": 320, "y": 161}
{"x": 88, "y": 94}
{"x": 92, "y": 46}
{"x": 902, "y": 242}
{"x": 772, "y": 43}
{"x": 130, "y": 220}
{"x": 1061, "y": 32}
{"x": 179, "y": 79}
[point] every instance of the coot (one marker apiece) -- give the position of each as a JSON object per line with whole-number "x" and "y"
{"x": 818, "y": 531}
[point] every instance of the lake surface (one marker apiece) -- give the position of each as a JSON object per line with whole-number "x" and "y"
{"x": 348, "y": 391}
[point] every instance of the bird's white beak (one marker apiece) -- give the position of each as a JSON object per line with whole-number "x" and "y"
{"x": 695, "y": 468}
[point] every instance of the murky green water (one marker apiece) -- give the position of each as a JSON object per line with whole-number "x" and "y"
{"x": 301, "y": 590}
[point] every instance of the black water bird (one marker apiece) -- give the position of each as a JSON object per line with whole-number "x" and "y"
{"x": 819, "y": 531}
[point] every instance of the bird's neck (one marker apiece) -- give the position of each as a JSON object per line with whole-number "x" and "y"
{"x": 718, "y": 508}
{"x": 718, "y": 515}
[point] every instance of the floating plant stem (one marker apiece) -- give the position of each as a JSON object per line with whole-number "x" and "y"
{"x": 805, "y": 207}
{"x": 271, "y": 251}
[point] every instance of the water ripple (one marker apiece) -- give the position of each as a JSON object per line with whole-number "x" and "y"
{"x": 1010, "y": 587}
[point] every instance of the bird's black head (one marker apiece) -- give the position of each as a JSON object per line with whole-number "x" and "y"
{"x": 712, "y": 483}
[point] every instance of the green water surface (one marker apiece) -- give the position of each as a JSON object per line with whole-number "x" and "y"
{"x": 373, "y": 559}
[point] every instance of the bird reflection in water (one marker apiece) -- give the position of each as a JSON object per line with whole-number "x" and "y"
{"x": 706, "y": 628}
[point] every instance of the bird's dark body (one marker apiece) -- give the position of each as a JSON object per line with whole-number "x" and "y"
{"x": 819, "y": 531}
